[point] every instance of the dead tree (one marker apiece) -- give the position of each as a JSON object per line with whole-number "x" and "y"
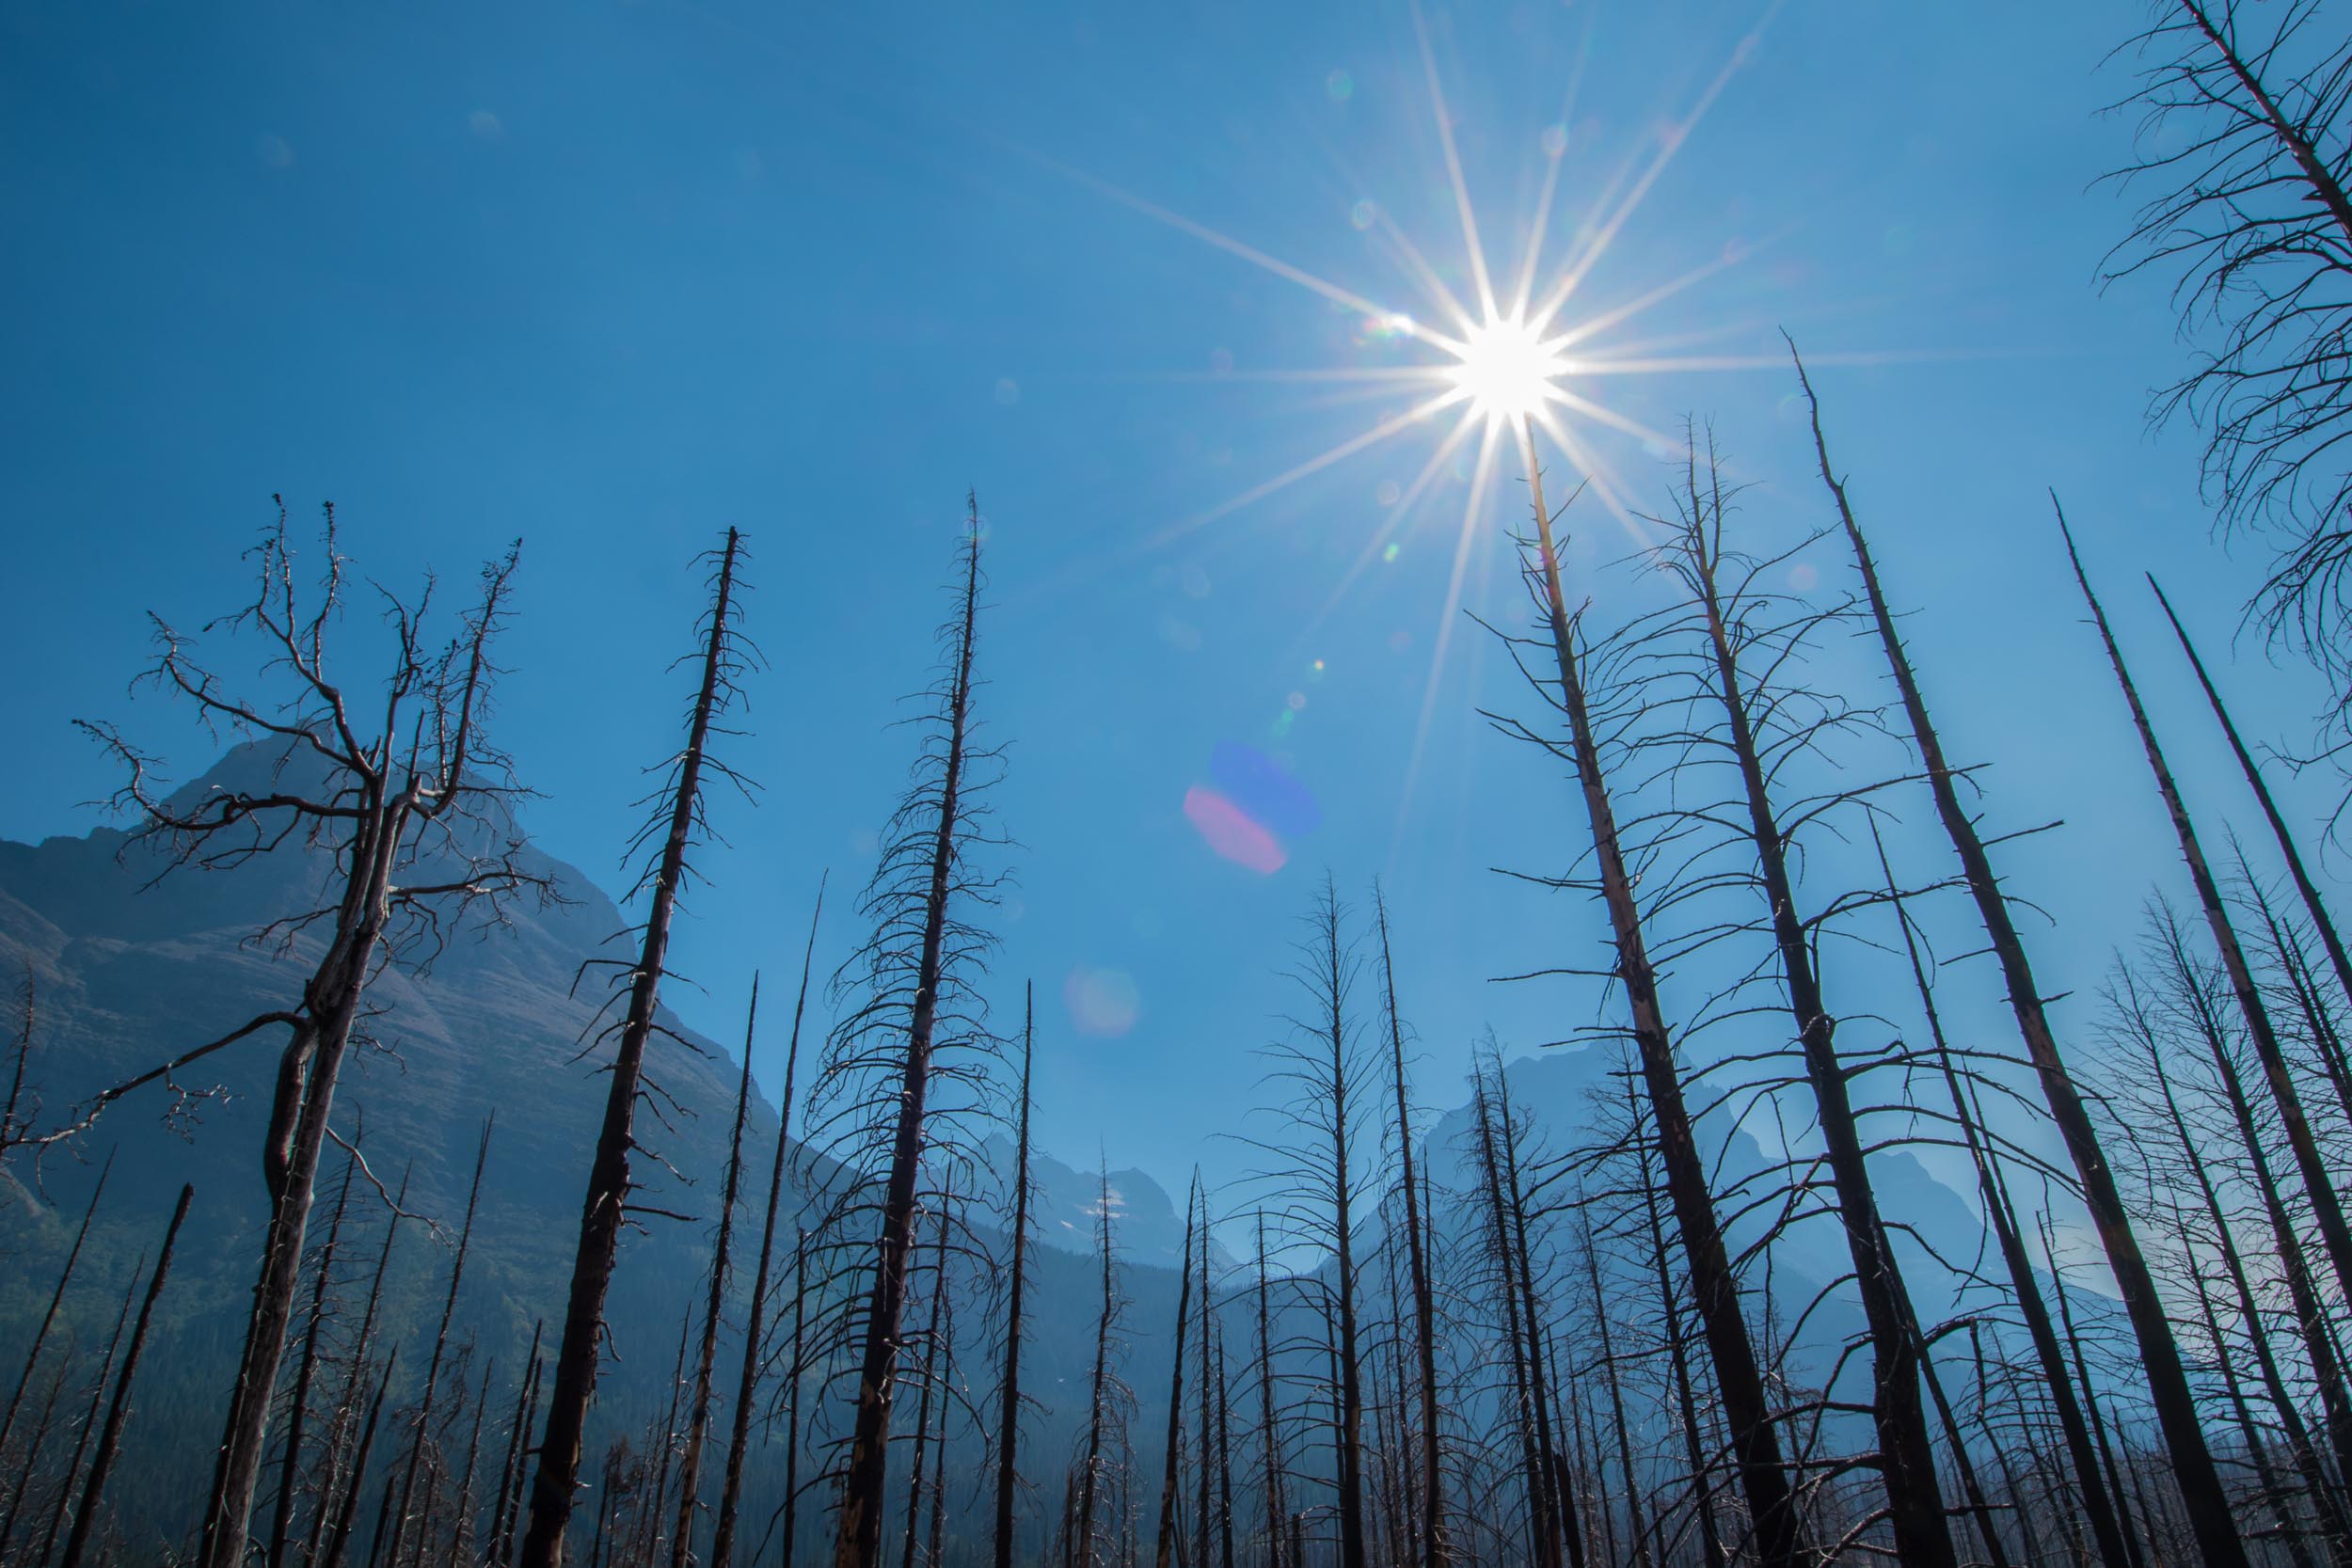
{"x": 725, "y": 656}
{"x": 747, "y": 1380}
{"x": 1269, "y": 1426}
{"x": 2319, "y": 1187}
{"x": 1317, "y": 1163}
{"x": 338, "y": 1542}
{"x": 414, "y": 823}
{"x": 1436, "y": 1551}
{"x": 2193, "y": 1467}
{"x": 119, "y": 1407}
{"x": 1107, "y": 1400}
{"x": 1669, "y": 1307}
{"x": 1175, "y": 1447}
{"x": 929, "y": 1387}
{"x": 2243, "y": 149}
{"x": 2138, "y": 1025}
{"x": 499, "y": 1546}
{"x": 354, "y": 1380}
{"x": 1008, "y": 1393}
{"x": 1755, "y": 1439}
{"x": 2097, "y": 1508}
{"x": 88, "y": 1428}
{"x": 48, "y": 1321}
{"x": 298, "y": 1402}
{"x": 424, "y": 1417}
{"x": 1521, "y": 1331}
{"x": 2305, "y": 888}
{"x": 911, "y": 980}
{"x": 1745, "y": 638}
{"x": 705, "y": 1358}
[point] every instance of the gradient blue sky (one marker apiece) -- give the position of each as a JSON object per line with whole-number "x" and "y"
{"x": 613, "y": 276}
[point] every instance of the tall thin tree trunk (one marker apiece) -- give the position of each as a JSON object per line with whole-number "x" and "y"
{"x": 354, "y": 1379}
{"x": 89, "y": 1422}
{"x": 2168, "y": 1389}
{"x": 339, "y": 1542}
{"x": 1204, "y": 1469}
{"x": 2319, "y": 1187}
{"x": 923, "y": 1395}
{"x": 747, "y": 1378}
{"x": 441, "y": 1344}
{"x": 119, "y": 1409}
{"x": 299, "y": 1405}
{"x": 698, "y": 1418}
{"x": 1515, "y": 1191}
{"x": 2310, "y": 1315}
{"x": 462, "y": 1532}
{"x": 49, "y": 1318}
{"x": 2097, "y": 1508}
{"x": 1914, "y": 1500}
{"x": 1089, "y": 1475}
{"x": 858, "y": 1544}
{"x": 577, "y": 1356}
{"x": 1348, "y": 1435}
{"x": 1542, "y": 1541}
{"x": 1436, "y": 1551}
{"x": 510, "y": 1467}
{"x": 1268, "y": 1429}
{"x": 1755, "y": 1439}
{"x": 1678, "y": 1359}
{"x": 792, "y": 1396}
{"x": 1009, "y": 1394}
{"x": 1633, "y": 1506}
{"x": 2309, "y": 890}
{"x": 2136, "y": 1555}
{"x": 1176, "y": 1390}
{"x": 1223, "y": 1460}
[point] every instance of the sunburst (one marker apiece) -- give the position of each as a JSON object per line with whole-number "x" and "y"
{"x": 1524, "y": 356}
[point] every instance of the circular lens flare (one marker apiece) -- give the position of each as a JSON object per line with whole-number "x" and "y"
{"x": 1505, "y": 368}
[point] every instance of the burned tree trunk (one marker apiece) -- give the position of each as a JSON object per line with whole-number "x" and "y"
{"x": 510, "y": 1467}
{"x": 1009, "y": 1396}
{"x": 930, "y": 1388}
{"x": 298, "y": 1404}
{"x": 429, "y": 769}
{"x": 338, "y": 1542}
{"x": 924, "y": 914}
{"x": 1993, "y": 1194}
{"x": 698, "y": 1417}
{"x": 1436, "y": 1551}
{"x": 2304, "y": 887}
{"x": 48, "y": 1321}
{"x": 1906, "y": 1459}
{"x": 2319, "y": 1187}
{"x": 609, "y": 1182}
{"x": 1100, "y": 1391}
{"x": 747, "y": 1380}
{"x": 119, "y": 1409}
{"x": 1756, "y": 1440}
{"x": 440, "y": 1346}
{"x": 1269, "y": 1430}
{"x": 1176, "y": 1386}
{"x": 2193, "y": 1467}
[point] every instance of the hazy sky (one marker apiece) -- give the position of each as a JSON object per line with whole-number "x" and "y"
{"x": 613, "y": 277}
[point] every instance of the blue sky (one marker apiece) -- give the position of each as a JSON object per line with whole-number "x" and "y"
{"x": 613, "y": 277}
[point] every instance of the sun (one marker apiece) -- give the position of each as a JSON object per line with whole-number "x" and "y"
{"x": 1505, "y": 368}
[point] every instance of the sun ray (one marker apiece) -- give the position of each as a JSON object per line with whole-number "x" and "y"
{"x": 1418, "y": 266}
{"x": 1553, "y": 158}
{"x": 1232, "y": 246}
{"x": 1602, "y": 414}
{"x": 1348, "y": 448}
{"x": 1399, "y": 520}
{"x": 1453, "y": 170}
{"x": 1474, "y": 510}
{"x": 1672, "y": 143}
{"x": 1591, "y": 325}
{"x": 1598, "y": 474}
